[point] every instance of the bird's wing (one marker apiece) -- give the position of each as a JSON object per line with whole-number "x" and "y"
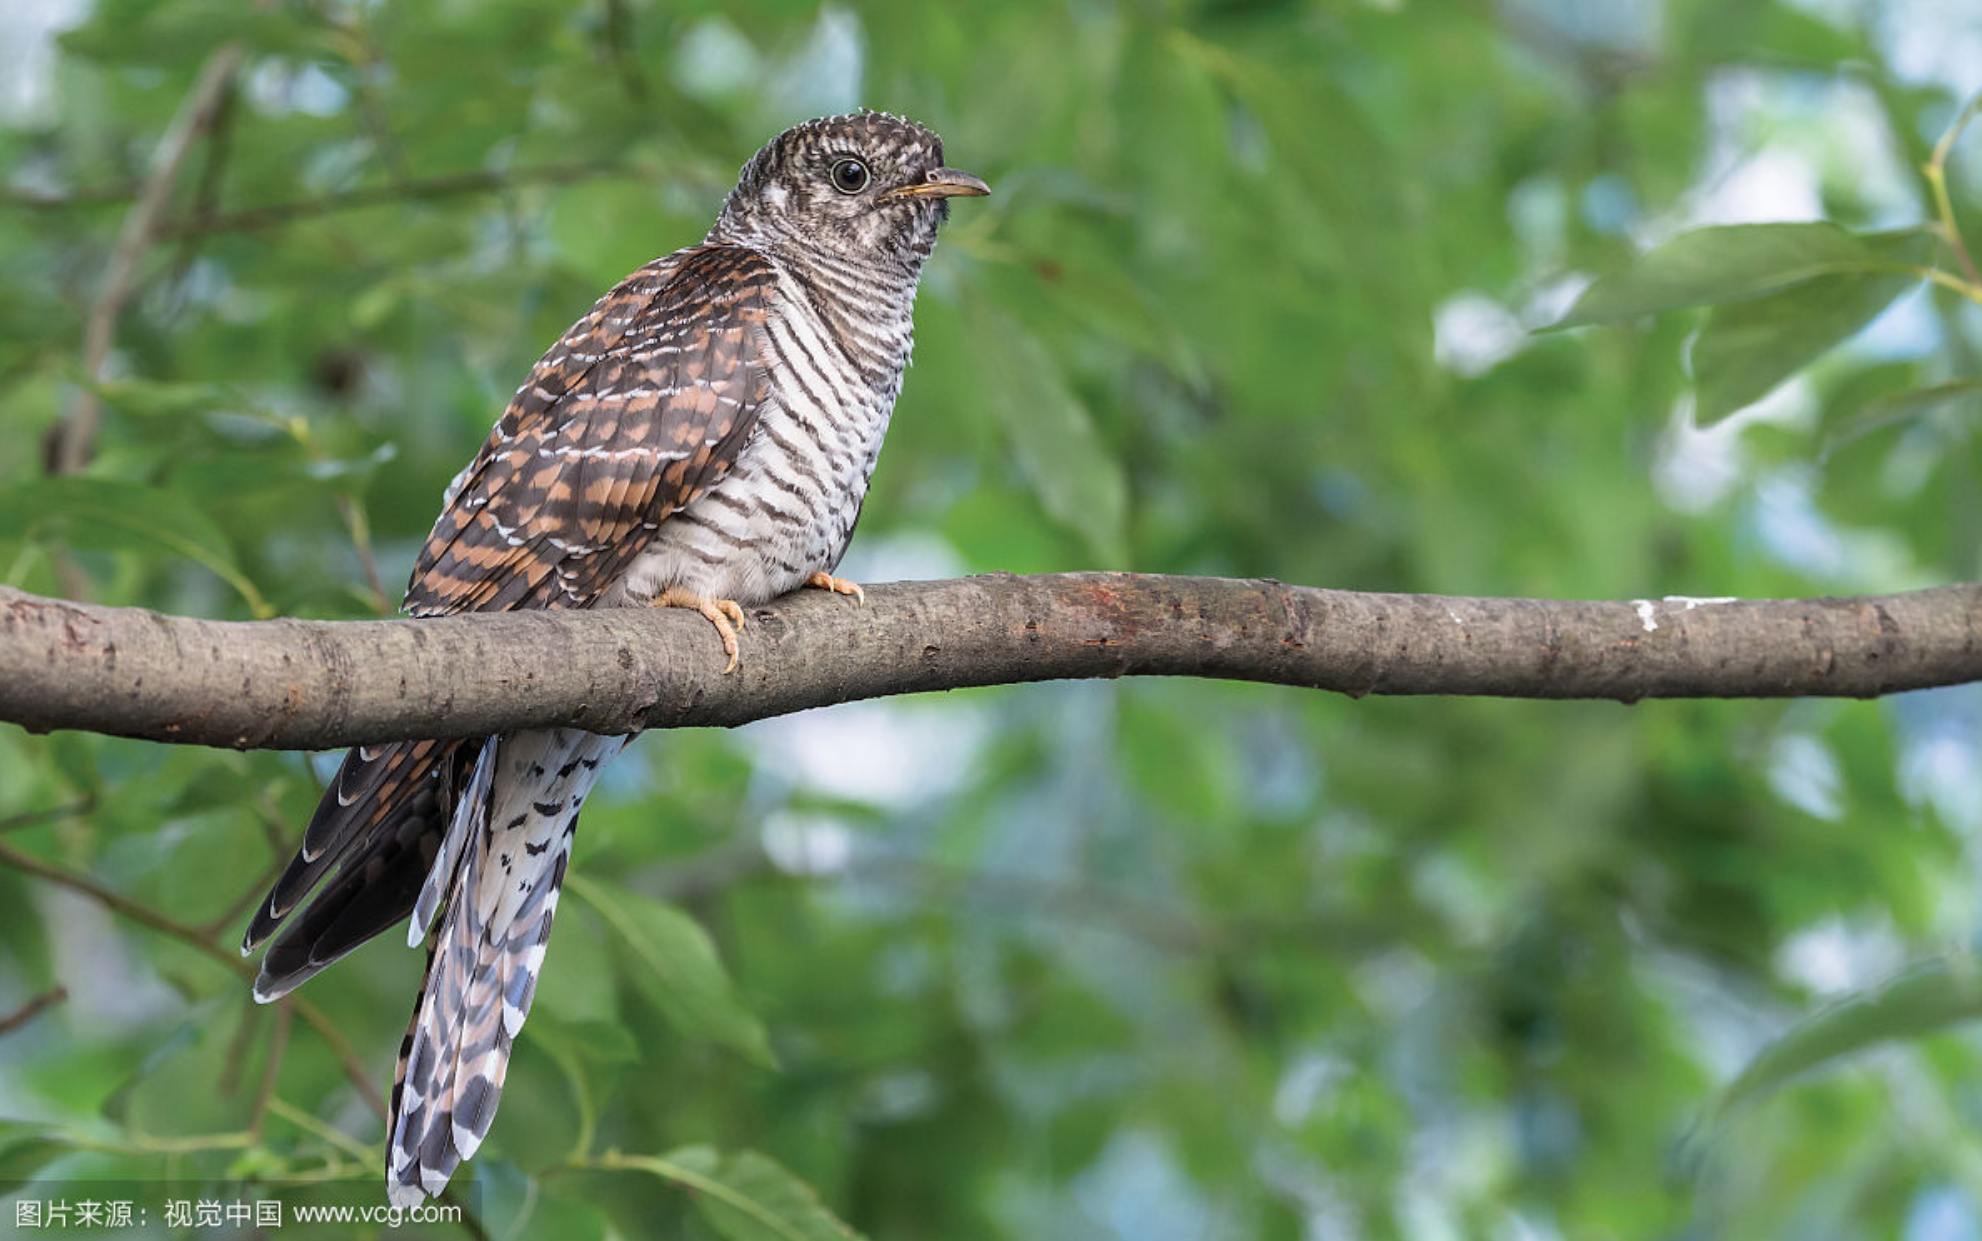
{"x": 640, "y": 408}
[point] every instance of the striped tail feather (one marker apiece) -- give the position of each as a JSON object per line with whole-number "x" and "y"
{"x": 383, "y": 842}
{"x": 470, "y": 815}
{"x": 373, "y": 784}
{"x": 509, "y": 841}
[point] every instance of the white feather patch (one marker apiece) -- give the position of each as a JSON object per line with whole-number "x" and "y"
{"x": 466, "y": 1141}
{"x": 406, "y": 1197}
{"x": 470, "y": 813}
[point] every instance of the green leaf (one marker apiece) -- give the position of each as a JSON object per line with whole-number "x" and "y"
{"x": 351, "y": 470}
{"x": 602, "y": 1042}
{"x": 225, "y": 781}
{"x": 111, "y": 514}
{"x": 153, "y": 398}
{"x": 76, "y": 759}
{"x": 678, "y": 969}
{"x": 1898, "y": 407}
{"x": 1749, "y": 33}
{"x": 185, "y": 1038}
{"x": 782, "y": 1205}
{"x": 1921, "y": 1001}
{"x": 1078, "y": 480}
{"x": 1748, "y": 348}
{"x": 1733, "y": 263}
{"x": 745, "y": 1196}
{"x": 24, "y": 1153}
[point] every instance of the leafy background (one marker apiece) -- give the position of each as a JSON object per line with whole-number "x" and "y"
{"x": 1257, "y": 294}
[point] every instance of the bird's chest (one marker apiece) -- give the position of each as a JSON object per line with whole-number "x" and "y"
{"x": 787, "y": 508}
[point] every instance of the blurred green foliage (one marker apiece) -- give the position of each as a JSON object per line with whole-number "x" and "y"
{"x": 1155, "y": 960}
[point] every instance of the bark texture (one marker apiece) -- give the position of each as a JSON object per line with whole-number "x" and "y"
{"x": 298, "y": 684}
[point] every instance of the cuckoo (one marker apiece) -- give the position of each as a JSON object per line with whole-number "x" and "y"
{"x": 702, "y": 438}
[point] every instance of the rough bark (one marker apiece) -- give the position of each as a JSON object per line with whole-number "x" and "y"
{"x": 297, "y": 684}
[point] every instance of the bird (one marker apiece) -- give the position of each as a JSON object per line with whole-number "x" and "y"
{"x": 702, "y": 438}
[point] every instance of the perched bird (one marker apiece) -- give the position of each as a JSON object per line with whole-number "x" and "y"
{"x": 703, "y": 439}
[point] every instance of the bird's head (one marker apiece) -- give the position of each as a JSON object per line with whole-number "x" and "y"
{"x": 866, "y": 186}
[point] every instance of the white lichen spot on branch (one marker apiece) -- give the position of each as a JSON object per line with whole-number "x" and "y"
{"x": 1648, "y": 609}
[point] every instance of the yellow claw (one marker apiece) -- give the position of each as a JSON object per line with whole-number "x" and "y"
{"x": 838, "y": 585}
{"x": 725, "y": 614}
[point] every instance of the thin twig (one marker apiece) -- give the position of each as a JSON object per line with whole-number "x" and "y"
{"x": 76, "y": 436}
{"x": 343, "y": 1141}
{"x": 1947, "y": 280}
{"x": 1156, "y": 925}
{"x": 237, "y": 1053}
{"x": 347, "y": 1056}
{"x": 256, "y": 888}
{"x": 768, "y": 1220}
{"x": 274, "y": 215}
{"x": 213, "y": 173}
{"x": 351, "y": 510}
{"x": 358, "y": 524}
{"x": 143, "y": 1143}
{"x": 278, "y": 1043}
{"x": 470, "y": 1221}
{"x": 34, "y": 818}
{"x": 95, "y": 196}
{"x": 620, "y": 47}
{"x": 368, "y": 63}
{"x": 1936, "y": 172}
{"x": 280, "y": 850}
{"x": 164, "y": 924}
{"x": 118, "y": 903}
{"x": 32, "y": 1009}
{"x": 450, "y": 185}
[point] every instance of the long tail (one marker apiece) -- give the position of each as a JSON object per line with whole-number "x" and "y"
{"x": 500, "y": 866}
{"x": 379, "y": 825}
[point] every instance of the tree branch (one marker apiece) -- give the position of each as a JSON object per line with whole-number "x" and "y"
{"x": 295, "y": 684}
{"x": 32, "y": 1009}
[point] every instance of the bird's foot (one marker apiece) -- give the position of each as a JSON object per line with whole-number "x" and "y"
{"x": 725, "y": 614}
{"x": 838, "y": 585}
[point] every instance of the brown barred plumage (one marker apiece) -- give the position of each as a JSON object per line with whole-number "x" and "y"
{"x": 640, "y": 409}
{"x": 702, "y": 438}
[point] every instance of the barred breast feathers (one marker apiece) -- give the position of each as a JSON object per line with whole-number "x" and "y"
{"x": 789, "y": 506}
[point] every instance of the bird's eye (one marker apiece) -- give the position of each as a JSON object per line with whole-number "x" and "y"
{"x": 850, "y": 176}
